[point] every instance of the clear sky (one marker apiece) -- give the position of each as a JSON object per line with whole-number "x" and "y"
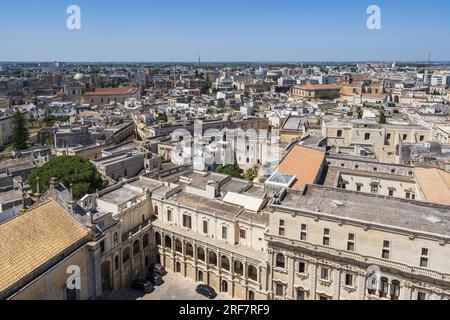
{"x": 232, "y": 30}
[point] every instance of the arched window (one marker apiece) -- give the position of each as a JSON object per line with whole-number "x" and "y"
{"x": 280, "y": 261}
{"x": 116, "y": 263}
{"x": 116, "y": 238}
{"x": 189, "y": 250}
{"x": 225, "y": 263}
{"x": 252, "y": 273}
{"x": 238, "y": 267}
{"x": 178, "y": 246}
{"x": 136, "y": 247}
{"x": 395, "y": 290}
{"x": 168, "y": 242}
{"x": 212, "y": 258}
{"x": 201, "y": 254}
{"x": 145, "y": 241}
{"x": 126, "y": 255}
{"x": 384, "y": 287}
{"x": 158, "y": 239}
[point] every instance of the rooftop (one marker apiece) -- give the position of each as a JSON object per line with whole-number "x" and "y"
{"x": 31, "y": 240}
{"x": 303, "y": 163}
{"x": 434, "y": 184}
{"x": 399, "y": 213}
{"x": 113, "y": 91}
{"x": 120, "y": 196}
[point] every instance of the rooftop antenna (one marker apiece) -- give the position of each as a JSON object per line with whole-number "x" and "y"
{"x": 429, "y": 57}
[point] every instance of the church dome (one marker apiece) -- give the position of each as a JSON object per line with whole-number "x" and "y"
{"x": 79, "y": 76}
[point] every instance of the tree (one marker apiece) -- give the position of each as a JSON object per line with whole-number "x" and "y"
{"x": 250, "y": 174}
{"x": 382, "y": 118}
{"x": 360, "y": 112}
{"x": 231, "y": 170}
{"x": 162, "y": 117}
{"x": 72, "y": 171}
{"x": 20, "y": 134}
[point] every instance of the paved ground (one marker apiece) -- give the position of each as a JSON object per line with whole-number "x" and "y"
{"x": 175, "y": 287}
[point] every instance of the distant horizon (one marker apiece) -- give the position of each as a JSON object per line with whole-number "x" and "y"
{"x": 231, "y": 62}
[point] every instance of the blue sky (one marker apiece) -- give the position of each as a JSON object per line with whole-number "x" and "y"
{"x": 232, "y": 30}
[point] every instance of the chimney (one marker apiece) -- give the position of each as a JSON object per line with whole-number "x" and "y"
{"x": 71, "y": 204}
{"x": 38, "y": 187}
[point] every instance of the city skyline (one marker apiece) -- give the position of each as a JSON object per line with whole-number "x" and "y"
{"x": 289, "y": 31}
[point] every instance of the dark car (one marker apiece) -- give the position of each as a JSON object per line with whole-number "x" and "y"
{"x": 206, "y": 291}
{"x": 158, "y": 268}
{"x": 154, "y": 278}
{"x": 142, "y": 285}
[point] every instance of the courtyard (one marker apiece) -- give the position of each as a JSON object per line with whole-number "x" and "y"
{"x": 175, "y": 287}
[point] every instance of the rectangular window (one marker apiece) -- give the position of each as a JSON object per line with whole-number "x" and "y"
{"x": 385, "y": 254}
{"x": 424, "y": 262}
{"x": 205, "y": 227}
{"x": 279, "y": 290}
{"x": 422, "y": 138}
{"x": 187, "y": 221}
{"x": 303, "y": 233}
{"x": 358, "y": 188}
{"x": 374, "y": 189}
{"x": 349, "y": 280}
{"x": 242, "y": 234}
{"x": 301, "y": 267}
{"x": 391, "y": 193}
{"x": 351, "y": 242}
{"x": 367, "y": 136}
{"x": 326, "y": 237}
{"x": 405, "y": 136}
{"x": 324, "y": 274}
{"x": 281, "y": 229}
{"x": 224, "y": 233}
{"x": 421, "y": 296}
{"x": 169, "y": 215}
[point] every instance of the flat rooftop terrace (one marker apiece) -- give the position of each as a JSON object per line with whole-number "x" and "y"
{"x": 399, "y": 213}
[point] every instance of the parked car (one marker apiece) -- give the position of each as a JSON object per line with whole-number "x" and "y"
{"x": 154, "y": 278}
{"x": 142, "y": 285}
{"x": 158, "y": 268}
{"x": 206, "y": 291}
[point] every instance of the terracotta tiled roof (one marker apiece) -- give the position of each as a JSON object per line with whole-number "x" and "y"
{"x": 113, "y": 91}
{"x": 317, "y": 87}
{"x": 33, "y": 239}
{"x": 303, "y": 163}
{"x": 434, "y": 184}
